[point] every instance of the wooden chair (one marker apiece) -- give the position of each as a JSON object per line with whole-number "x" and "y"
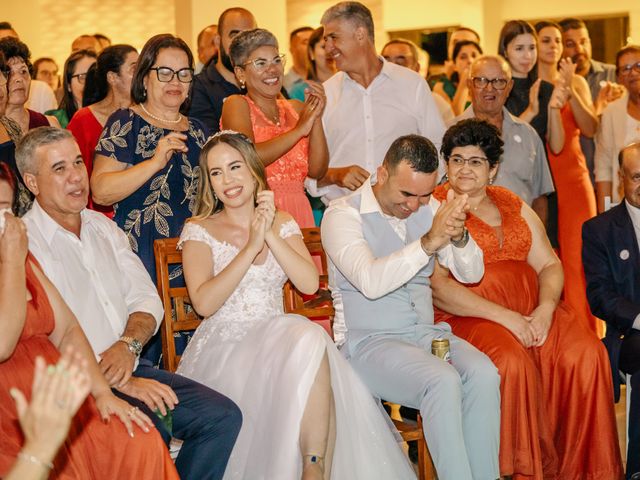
{"x": 321, "y": 307}
{"x": 318, "y": 307}
{"x": 178, "y": 314}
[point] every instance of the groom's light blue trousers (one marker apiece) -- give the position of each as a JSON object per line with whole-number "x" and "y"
{"x": 459, "y": 402}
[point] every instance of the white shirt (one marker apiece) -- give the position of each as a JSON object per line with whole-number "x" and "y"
{"x": 634, "y": 213}
{"x": 632, "y": 131}
{"x": 349, "y": 252}
{"x": 98, "y": 275}
{"x": 41, "y": 97}
{"x": 360, "y": 124}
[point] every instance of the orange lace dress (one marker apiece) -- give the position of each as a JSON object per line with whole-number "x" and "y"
{"x": 286, "y": 175}
{"x": 576, "y": 205}
{"x": 93, "y": 449}
{"x": 557, "y": 415}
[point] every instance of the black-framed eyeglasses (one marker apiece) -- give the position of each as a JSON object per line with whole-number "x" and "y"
{"x": 166, "y": 74}
{"x": 261, "y": 64}
{"x": 82, "y": 77}
{"x": 473, "y": 162}
{"x": 626, "y": 69}
{"x": 497, "y": 83}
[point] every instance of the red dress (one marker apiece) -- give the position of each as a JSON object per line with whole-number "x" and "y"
{"x": 576, "y": 204}
{"x": 87, "y": 130}
{"x": 557, "y": 413}
{"x": 93, "y": 449}
{"x": 286, "y": 175}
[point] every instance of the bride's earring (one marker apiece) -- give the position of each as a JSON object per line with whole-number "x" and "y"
{"x": 242, "y": 84}
{"x": 491, "y": 180}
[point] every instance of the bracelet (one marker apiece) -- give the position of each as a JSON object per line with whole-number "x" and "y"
{"x": 35, "y": 460}
{"x": 463, "y": 241}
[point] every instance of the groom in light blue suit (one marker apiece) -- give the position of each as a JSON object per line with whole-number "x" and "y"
{"x": 382, "y": 242}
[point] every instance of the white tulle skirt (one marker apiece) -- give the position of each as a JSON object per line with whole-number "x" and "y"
{"x": 269, "y": 374}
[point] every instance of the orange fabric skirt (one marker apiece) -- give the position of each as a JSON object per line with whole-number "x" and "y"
{"x": 93, "y": 449}
{"x": 557, "y": 411}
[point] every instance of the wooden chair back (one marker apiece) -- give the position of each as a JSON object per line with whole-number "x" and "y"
{"x": 179, "y": 316}
{"x": 318, "y": 307}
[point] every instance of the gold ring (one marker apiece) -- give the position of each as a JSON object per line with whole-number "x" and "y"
{"x": 132, "y": 411}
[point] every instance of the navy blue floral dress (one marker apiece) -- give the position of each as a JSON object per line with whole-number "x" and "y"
{"x": 160, "y": 207}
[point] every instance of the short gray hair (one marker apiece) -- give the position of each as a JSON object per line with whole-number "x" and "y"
{"x": 244, "y": 43}
{"x": 355, "y": 12}
{"x": 38, "y": 137}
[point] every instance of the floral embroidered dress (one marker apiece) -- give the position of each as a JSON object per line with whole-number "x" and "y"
{"x": 286, "y": 175}
{"x": 159, "y": 208}
{"x": 266, "y": 361}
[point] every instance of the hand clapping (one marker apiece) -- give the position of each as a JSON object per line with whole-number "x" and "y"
{"x": 448, "y": 222}
{"x": 313, "y": 107}
{"x": 56, "y": 395}
{"x": 262, "y": 221}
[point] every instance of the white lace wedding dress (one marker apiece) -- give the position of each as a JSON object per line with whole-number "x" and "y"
{"x": 266, "y": 361}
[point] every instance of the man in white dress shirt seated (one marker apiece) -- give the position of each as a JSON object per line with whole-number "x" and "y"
{"x": 370, "y": 103}
{"x": 382, "y": 242}
{"x": 88, "y": 258}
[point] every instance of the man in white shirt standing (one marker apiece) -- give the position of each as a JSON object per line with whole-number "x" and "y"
{"x": 382, "y": 243}
{"x": 370, "y": 103}
{"x": 88, "y": 258}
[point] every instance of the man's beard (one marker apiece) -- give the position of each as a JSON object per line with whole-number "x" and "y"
{"x": 226, "y": 60}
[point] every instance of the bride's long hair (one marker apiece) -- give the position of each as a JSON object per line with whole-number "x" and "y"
{"x": 206, "y": 201}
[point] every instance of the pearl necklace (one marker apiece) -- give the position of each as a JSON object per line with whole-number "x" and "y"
{"x": 160, "y": 119}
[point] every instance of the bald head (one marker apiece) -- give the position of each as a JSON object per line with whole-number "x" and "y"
{"x": 85, "y": 42}
{"x": 495, "y": 61}
{"x": 630, "y": 173}
{"x": 206, "y": 43}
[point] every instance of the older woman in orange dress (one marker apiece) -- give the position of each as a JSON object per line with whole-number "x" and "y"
{"x": 557, "y": 416}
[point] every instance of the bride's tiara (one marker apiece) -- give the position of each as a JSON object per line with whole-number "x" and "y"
{"x": 229, "y": 132}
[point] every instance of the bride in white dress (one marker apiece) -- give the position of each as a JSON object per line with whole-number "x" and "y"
{"x": 306, "y": 415}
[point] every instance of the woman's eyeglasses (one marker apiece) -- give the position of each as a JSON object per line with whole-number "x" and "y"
{"x": 473, "y": 162}
{"x": 82, "y": 77}
{"x": 261, "y": 64}
{"x": 166, "y": 74}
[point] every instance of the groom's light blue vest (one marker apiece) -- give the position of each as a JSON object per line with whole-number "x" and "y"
{"x": 399, "y": 311}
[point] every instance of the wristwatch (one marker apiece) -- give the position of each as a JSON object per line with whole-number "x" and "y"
{"x": 463, "y": 241}
{"x": 135, "y": 346}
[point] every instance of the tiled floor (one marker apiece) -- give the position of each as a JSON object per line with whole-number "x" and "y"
{"x": 621, "y": 420}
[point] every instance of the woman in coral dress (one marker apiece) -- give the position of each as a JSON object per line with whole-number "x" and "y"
{"x": 576, "y": 198}
{"x": 98, "y": 446}
{"x": 557, "y": 414}
{"x": 288, "y": 133}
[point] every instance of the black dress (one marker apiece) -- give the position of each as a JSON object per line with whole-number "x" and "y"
{"x": 517, "y": 103}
